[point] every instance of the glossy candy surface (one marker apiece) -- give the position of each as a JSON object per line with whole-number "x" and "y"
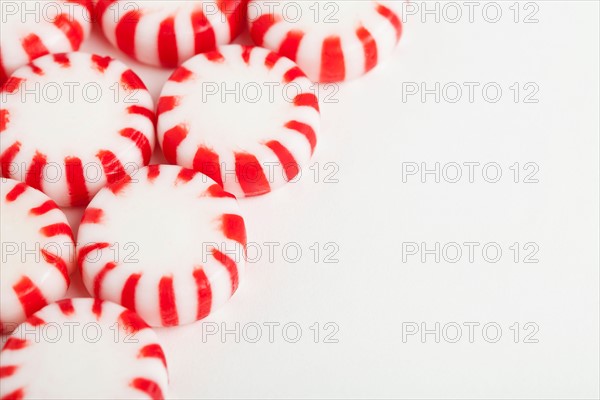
{"x": 71, "y": 123}
{"x": 244, "y": 116}
{"x": 168, "y": 243}
{"x": 37, "y": 252}
{"x": 83, "y": 349}
{"x": 332, "y": 41}
{"x": 166, "y": 33}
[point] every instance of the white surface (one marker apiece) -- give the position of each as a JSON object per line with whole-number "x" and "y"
{"x": 368, "y": 134}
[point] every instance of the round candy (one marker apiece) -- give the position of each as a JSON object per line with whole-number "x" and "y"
{"x": 83, "y": 349}
{"x": 71, "y": 123}
{"x": 37, "y": 252}
{"x": 332, "y": 41}
{"x": 168, "y": 243}
{"x": 244, "y": 116}
{"x": 31, "y": 29}
{"x": 166, "y": 33}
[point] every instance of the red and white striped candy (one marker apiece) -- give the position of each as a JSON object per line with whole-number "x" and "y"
{"x": 168, "y": 243}
{"x": 83, "y": 349}
{"x": 244, "y": 116}
{"x": 37, "y": 252}
{"x": 31, "y": 29}
{"x": 332, "y": 41}
{"x": 166, "y": 33}
{"x": 71, "y": 123}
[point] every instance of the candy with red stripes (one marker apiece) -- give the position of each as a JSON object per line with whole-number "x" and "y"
{"x": 71, "y": 123}
{"x": 37, "y": 252}
{"x": 332, "y": 41}
{"x": 244, "y": 116}
{"x": 166, "y": 33}
{"x": 83, "y": 349}
{"x": 31, "y": 29}
{"x": 167, "y": 242}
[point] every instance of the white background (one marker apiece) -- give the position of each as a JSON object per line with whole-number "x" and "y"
{"x": 368, "y": 137}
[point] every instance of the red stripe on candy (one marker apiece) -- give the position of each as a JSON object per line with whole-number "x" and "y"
{"x": 4, "y": 119}
{"x": 234, "y": 228}
{"x": 166, "y": 103}
{"x": 101, "y": 63}
{"x": 15, "y": 395}
{"x": 7, "y": 371}
{"x": 172, "y": 139}
{"x": 246, "y": 52}
{"x": 153, "y": 172}
{"x": 35, "y": 321}
{"x": 305, "y": 130}
{"x": 271, "y": 60}
{"x": 62, "y": 60}
{"x": 113, "y": 170}
{"x": 217, "y": 191}
{"x": 99, "y": 278}
{"x": 58, "y": 262}
{"x": 207, "y": 162}
{"x": 168, "y": 308}
{"x": 261, "y": 26}
{"x": 128, "y": 292}
{"x": 119, "y": 185}
{"x": 307, "y": 100}
{"x": 333, "y": 66}
{"x": 66, "y": 306}
{"x": 16, "y": 191}
{"x": 204, "y": 34}
{"x": 292, "y": 74}
{"x": 393, "y": 18}
{"x": 149, "y": 387}
{"x": 132, "y": 322}
{"x": 250, "y": 175}
{"x": 181, "y": 74}
{"x": 369, "y": 46}
{"x": 141, "y": 141}
{"x": 230, "y": 265}
{"x": 47, "y": 206}
{"x": 30, "y": 296}
{"x": 286, "y": 159}
{"x": 291, "y": 43}
{"x": 186, "y": 175}
{"x": 76, "y": 181}
{"x": 167, "y": 43}
{"x": 92, "y": 215}
{"x": 143, "y": 111}
{"x": 125, "y": 32}
{"x": 130, "y": 81}
{"x": 7, "y": 157}
{"x": 204, "y": 293}
{"x": 97, "y": 308}
{"x": 60, "y": 228}
{"x": 71, "y": 28}
{"x": 33, "y": 46}
{"x": 12, "y": 85}
{"x": 153, "y": 351}
{"x": 235, "y": 10}
{"x": 15, "y": 343}
{"x": 35, "y": 172}
{"x": 214, "y": 56}
{"x": 86, "y": 250}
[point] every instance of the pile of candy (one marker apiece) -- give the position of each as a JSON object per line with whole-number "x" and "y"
{"x": 79, "y": 129}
